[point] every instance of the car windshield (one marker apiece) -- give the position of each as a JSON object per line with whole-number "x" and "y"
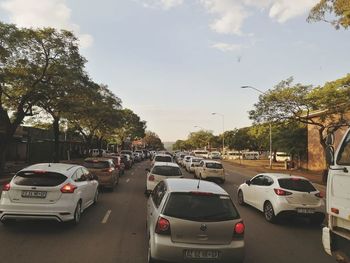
{"x": 296, "y": 184}
{"x": 213, "y": 165}
{"x": 200, "y": 207}
{"x": 96, "y": 164}
{"x": 163, "y": 159}
{"x": 196, "y": 160}
{"x": 39, "y": 178}
{"x": 166, "y": 170}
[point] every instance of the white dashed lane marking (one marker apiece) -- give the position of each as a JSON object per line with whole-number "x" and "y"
{"x": 105, "y": 219}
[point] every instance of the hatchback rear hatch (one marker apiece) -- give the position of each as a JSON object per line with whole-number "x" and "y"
{"x": 161, "y": 172}
{"x": 99, "y": 167}
{"x": 215, "y": 168}
{"x": 201, "y": 218}
{"x": 36, "y": 187}
{"x": 299, "y": 191}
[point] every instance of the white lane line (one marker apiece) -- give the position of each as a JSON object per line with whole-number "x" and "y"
{"x": 127, "y": 180}
{"x": 105, "y": 219}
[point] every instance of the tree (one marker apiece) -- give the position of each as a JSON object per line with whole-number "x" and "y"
{"x": 324, "y": 107}
{"x": 339, "y": 10}
{"x": 26, "y": 57}
{"x": 240, "y": 139}
{"x": 200, "y": 139}
{"x": 153, "y": 141}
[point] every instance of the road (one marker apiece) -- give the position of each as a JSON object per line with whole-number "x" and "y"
{"x": 114, "y": 231}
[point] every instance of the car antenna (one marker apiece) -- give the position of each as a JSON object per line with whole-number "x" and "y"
{"x": 199, "y": 181}
{"x": 49, "y": 164}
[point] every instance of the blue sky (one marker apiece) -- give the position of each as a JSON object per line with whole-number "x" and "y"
{"x": 174, "y": 62}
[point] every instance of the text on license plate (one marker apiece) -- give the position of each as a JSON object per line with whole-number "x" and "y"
{"x": 305, "y": 210}
{"x": 33, "y": 194}
{"x": 201, "y": 254}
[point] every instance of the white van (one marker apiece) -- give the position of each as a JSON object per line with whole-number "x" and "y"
{"x": 282, "y": 156}
{"x": 233, "y": 155}
{"x": 336, "y": 236}
{"x": 250, "y": 155}
{"x": 201, "y": 153}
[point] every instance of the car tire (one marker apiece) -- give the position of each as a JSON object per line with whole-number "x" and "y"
{"x": 269, "y": 213}
{"x": 96, "y": 196}
{"x": 77, "y": 214}
{"x": 240, "y": 198}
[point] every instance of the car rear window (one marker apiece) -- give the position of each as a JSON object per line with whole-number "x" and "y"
{"x": 196, "y": 160}
{"x": 213, "y": 165}
{"x": 166, "y": 170}
{"x": 163, "y": 159}
{"x": 39, "y": 178}
{"x": 200, "y": 207}
{"x": 296, "y": 184}
{"x": 96, "y": 164}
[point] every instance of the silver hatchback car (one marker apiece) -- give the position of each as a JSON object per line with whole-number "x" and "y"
{"x": 191, "y": 220}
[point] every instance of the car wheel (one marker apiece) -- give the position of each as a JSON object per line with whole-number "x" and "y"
{"x": 269, "y": 212}
{"x": 77, "y": 214}
{"x": 96, "y": 196}
{"x": 240, "y": 198}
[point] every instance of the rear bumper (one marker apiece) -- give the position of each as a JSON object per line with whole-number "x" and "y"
{"x": 281, "y": 206}
{"x": 162, "y": 248}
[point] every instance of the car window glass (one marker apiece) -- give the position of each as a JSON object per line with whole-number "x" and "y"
{"x": 257, "y": 180}
{"x": 344, "y": 152}
{"x": 268, "y": 181}
{"x": 158, "y": 193}
{"x": 166, "y": 170}
{"x": 80, "y": 175}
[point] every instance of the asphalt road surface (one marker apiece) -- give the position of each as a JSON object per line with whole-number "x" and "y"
{"x": 113, "y": 230}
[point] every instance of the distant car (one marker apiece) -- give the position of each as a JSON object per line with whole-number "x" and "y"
{"x": 193, "y": 163}
{"x": 159, "y": 172}
{"x": 162, "y": 158}
{"x": 214, "y": 155}
{"x": 137, "y": 156}
{"x": 126, "y": 159}
{"x": 50, "y": 191}
{"x": 117, "y": 160}
{"x": 186, "y": 160}
{"x": 105, "y": 170}
{"x": 192, "y": 221}
{"x": 281, "y": 194}
{"x": 142, "y": 154}
{"x": 129, "y": 153}
{"x": 201, "y": 153}
{"x": 208, "y": 169}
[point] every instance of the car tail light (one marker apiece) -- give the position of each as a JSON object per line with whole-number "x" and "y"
{"x": 319, "y": 195}
{"x": 109, "y": 170}
{"x": 281, "y": 192}
{"x": 6, "y": 187}
{"x": 163, "y": 226}
{"x": 239, "y": 229}
{"x": 68, "y": 188}
{"x": 335, "y": 210}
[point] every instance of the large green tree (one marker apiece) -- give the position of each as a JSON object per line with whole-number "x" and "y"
{"x": 153, "y": 141}
{"x": 335, "y": 12}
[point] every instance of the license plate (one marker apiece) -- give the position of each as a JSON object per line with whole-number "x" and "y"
{"x": 305, "y": 210}
{"x": 205, "y": 254}
{"x": 33, "y": 194}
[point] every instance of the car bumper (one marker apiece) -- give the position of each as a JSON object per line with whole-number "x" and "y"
{"x": 166, "y": 250}
{"x": 62, "y": 210}
{"x": 282, "y": 206}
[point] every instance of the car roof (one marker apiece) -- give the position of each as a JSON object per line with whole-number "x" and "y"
{"x": 211, "y": 161}
{"x": 281, "y": 175}
{"x": 63, "y": 168}
{"x": 190, "y": 185}
{"x": 162, "y": 154}
{"x": 98, "y": 159}
{"x": 165, "y": 164}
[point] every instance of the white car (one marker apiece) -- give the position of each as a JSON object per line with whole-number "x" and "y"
{"x": 193, "y": 163}
{"x": 214, "y": 155}
{"x": 208, "y": 169}
{"x": 186, "y": 160}
{"x": 281, "y": 194}
{"x": 166, "y": 158}
{"x": 159, "y": 172}
{"x": 51, "y": 191}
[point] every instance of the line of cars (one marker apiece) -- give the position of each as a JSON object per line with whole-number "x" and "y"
{"x": 60, "y": 191}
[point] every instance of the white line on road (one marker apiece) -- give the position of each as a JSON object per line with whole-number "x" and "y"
{"x": 127, "y": 180}
{"x": 105, "y": 219}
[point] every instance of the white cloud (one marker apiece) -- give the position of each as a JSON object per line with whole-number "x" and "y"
{"x": 164, "y": 4}
{"x": 41, "y": 13}
{"x": 226, "y": 47}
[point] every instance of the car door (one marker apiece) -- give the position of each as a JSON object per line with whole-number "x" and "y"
{"x": 91, "y": 184}
{"x": 153, "y": 204}
{"x": 263, "y": 192}
{"x": 82, "y": 185}
{"x": 250, "y": 193}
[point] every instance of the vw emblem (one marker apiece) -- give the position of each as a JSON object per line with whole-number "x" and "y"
{"x": 203, "y": 227}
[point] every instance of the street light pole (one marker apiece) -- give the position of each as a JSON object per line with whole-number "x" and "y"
{"x": 270, "y": 126}
{"x": 223, "y": 130}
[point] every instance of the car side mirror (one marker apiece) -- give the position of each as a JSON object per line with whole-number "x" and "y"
{"x": 248, "y": 182}
{"x": 330, "y": 155}
{"x": 330, "y": 139}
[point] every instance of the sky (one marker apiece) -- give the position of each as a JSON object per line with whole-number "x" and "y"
{"x": 175, "y": 62}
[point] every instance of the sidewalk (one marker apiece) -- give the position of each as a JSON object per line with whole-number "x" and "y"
{"x": 254, "y": 167}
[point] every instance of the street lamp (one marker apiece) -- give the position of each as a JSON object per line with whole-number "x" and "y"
{"x": 199, "y": 127}
{"x": 250, "y": 87}
{"x": 223, "y": 130}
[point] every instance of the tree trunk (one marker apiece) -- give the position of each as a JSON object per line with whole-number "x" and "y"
{"x": 56, "y": 132}
{"x": 3, "y": 149}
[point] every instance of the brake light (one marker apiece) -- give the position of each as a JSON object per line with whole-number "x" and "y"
{"x": 335, "y": 210}
{"x": 319, "y": 195}
{"x": 6, "y": 187}
{"x": 239, "y": 229}
{"x": 163, "y": 226}
{"x": 151, "y": 178}
{"x": 68, "y": 188}
{"x": 281, "y": 192}
{"x": 109, "y": 170}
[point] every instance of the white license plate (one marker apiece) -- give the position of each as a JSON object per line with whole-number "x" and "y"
{"x": 305, "y": 210}
{"x": 33, "y": 194}
{"x": 205, "y": 254}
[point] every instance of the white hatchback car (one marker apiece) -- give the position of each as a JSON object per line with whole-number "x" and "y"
{"x": 193, "y": 163}
{"x": 208, "y": 169}
{"x": 50, "y": 191}
{"x": 281, "y": 194}
{"x": 160, "y": 171}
